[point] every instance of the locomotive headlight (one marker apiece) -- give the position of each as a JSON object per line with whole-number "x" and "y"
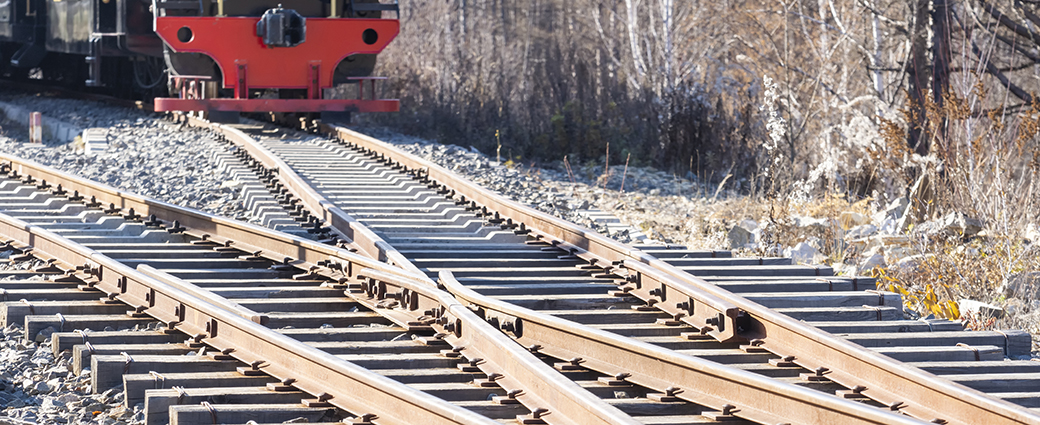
{"x": 280, "y": 27}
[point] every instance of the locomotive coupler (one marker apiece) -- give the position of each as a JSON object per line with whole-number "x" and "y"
{"x": 280, "y": 27}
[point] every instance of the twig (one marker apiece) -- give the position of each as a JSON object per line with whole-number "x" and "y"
{"x": 625, "y": 174}
{"x": 606, "y": 168}
{"x": 1006, "y": 22}
{"x": 1004, "y": 80}
{"x": 723, "y": 183}
{"x": 567, "y": 165}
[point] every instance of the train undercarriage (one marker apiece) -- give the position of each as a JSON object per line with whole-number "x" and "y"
{"x": 220, "y": 56}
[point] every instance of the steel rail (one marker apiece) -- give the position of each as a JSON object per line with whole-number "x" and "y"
{"x": 712, "y": 310}
{"x": 901, "y": 387}
{"x": 707, "y": 311}
{"x": 542, "y": 389}
{"x": 341, "y": 383}
{"x": 754, "y": 397}
{"x": 361, "y": 236}
{"x": 210, "y": 297}
{"x": 711, "y": 314}
{"x": 282, "y": 248}
{"x": 556, "y": 399}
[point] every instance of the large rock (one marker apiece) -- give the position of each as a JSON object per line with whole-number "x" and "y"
{"x": 749, "y": 225}
{"x": 958, "y": 224}
{"x": 860, "y": 232}
{"x": 928, "y": 228}
{"x": 41, "y": 388}
{"x": 869, "y": 263}
{"x": 895, "y": 254}
{"x": 738, "y": 237}
{"x": 50, "y": 404}
{"x": 1032, "y": 234}
{"x": 1023, "y": 285}
{"x": 978, "y": 308}
{"x": 801, "y": 253}
{"x": 913, "y": 263}
{"x": 850, "y": 219}
{"x": 813, "y": 225}
{"x": 894, "y": 210}
{"x": 954, "y": 224}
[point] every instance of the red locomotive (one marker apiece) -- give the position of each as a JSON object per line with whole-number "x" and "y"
{"x": 214, "y": 55}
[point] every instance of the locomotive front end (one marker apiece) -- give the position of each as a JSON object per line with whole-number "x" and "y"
{"x": 273, "y": 56}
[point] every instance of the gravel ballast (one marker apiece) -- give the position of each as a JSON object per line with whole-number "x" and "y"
{"x": 148, "y": 154}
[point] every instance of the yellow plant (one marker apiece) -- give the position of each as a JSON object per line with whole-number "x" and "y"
{"x": 924, "y": 301}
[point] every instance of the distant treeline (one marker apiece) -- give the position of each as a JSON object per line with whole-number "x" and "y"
{"x": 680, "y": 85}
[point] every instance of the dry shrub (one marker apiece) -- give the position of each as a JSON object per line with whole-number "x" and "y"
{"x": 832, "y": 205}
{"x": 983, "y": 165}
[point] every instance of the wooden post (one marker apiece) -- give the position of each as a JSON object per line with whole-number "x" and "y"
{"x": 36, "y": 127}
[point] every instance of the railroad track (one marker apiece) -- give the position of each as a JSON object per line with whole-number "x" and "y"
{"x": 282, "y": 327}
{"x": 344, "y": 324}
{"x": 588, "y": 302}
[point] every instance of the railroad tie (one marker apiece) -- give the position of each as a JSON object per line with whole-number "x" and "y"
{"x": 1007, "y": 342}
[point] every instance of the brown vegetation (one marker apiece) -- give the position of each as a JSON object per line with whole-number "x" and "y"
{"x": 796, "y": 100}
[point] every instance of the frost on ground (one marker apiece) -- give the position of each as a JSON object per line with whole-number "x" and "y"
{"x": 147, "y": 154}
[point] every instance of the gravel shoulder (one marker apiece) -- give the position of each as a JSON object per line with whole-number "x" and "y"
{"x": 147, "y": 154}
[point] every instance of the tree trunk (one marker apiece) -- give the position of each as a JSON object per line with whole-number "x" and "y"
{"x": 940, "y": 66}
{"x": 919, "y": 73}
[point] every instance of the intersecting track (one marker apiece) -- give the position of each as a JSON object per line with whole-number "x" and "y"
{"x": 292, "y": 328}
{"x": 649, "y": 317}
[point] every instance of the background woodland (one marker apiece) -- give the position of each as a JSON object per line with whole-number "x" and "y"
{"x": 790, "y": 98}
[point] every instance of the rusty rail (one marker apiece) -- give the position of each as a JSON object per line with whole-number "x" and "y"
{"x": 702, "y": 305}
{"x": 751, "y": 396}
{"x": 410, "y": 300}
{"x": 705, "y": 310}
{"x": 279, "y": 247}
{"x": 347, "y": 386}
{"x": 903, "y": 388}
{"x": 348, "y": 227}
{"x": 210, "y": 297}
{"x": 415, "y": 303}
